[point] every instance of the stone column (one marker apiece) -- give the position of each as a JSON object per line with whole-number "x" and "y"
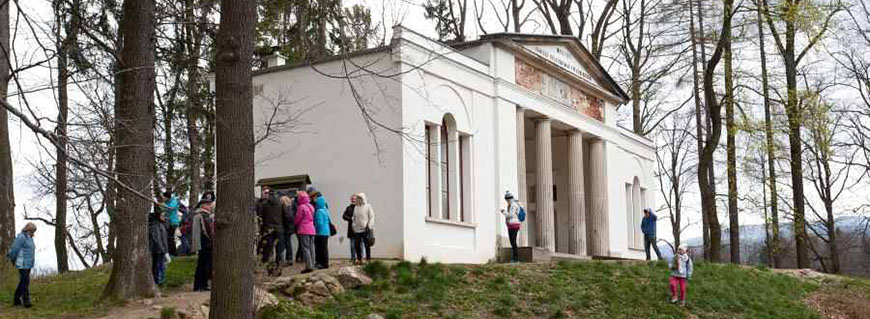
{"x": 544, "y": 172}
{"x": 597, "y": 227}
{"x": 576, "y": 196}
{"x": 522, "y": 187}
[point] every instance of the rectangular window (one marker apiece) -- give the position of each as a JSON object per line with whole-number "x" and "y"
{"x": 428, "y": 162}
{"x": 629, "y": 208}
{"x": 445, "y": 174}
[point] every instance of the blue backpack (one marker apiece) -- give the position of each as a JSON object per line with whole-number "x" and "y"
{"x": 522, "y": 214}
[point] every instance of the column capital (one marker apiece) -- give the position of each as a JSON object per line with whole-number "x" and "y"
{"x": 542, "y": 118}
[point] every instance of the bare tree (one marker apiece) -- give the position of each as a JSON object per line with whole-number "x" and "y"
{"x": 232, "y": 296}
{"x": 828, "y": 170}
{"x": 731, "y": 151}
{"x": 714, "y": 111}
{"x": 785, "y": 22}
{"x": 773, "y": 243}
{"x": 675, "y": 169}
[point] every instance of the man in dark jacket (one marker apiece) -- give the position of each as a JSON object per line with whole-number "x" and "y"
{"x": 157, "y": 242}
{"x": 271, "y": 213}
{"x": 648, "y": 227}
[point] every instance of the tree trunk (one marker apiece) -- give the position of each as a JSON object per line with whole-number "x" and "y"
{"x": 714, "y": 110}
{"x": 208, "y": 150}
{"x": 7, "y": 193}
{"x": 771, "y": 155}
{"x": 794, "y": 138}
{"x": 234, "y": 244}
{"x": 168, "y": 151}
{"x": 60, "y": 180}
{"x": 134, "y": 118}
{"x": 731, "y": 160}
{"x": 194, "y": 105}
{"x": 705, "y": 225}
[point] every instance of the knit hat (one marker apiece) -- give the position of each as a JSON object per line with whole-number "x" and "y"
{"x": 508, "y": 195}
{"x": 312, "y": 192}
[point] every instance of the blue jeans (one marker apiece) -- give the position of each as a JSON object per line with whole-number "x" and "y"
{"x": 287, "y": 252}
{"x": 158, "y": 268}
{"x": 22, "y": 292}
{"x": 352, "y": 248}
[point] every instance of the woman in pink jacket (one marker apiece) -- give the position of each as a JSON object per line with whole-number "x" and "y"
{"x": 304, "y": 223}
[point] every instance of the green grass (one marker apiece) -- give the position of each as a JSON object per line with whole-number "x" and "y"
{"x": 77, "y": 294}
{"x": 567, "y": 290}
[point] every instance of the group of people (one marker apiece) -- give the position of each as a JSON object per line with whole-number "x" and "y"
{"x": 681, "y": 266}
{"x": 197, "y": 233}
{"x": 306, "y": 215}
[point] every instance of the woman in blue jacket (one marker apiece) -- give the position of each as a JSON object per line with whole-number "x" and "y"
{"x": 22, "y": 255}
{"x": 321, "y": 238}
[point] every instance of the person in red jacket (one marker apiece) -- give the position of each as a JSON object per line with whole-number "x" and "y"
{"x": 304, "y": 222}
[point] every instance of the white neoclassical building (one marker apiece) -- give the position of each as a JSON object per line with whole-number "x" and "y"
{"x": 435, "y": 134}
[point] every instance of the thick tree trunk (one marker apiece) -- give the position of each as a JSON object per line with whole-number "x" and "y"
{"x": 134, "y": 118}
{"x": 773, "y": 246}
{"x": 731, "y": 150}
{"x": 7, "y": 193}
{"x": 60, "y": 180}
{"x": 234, "y": 246}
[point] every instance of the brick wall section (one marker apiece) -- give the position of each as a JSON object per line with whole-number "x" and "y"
{"x": 530, "y": 78}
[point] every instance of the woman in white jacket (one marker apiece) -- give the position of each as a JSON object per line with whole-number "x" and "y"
{"x": 513, "y": 222}
{"x": 362, "y": 224}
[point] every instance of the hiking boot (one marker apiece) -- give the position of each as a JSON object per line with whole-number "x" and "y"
{"x": 674, "y": 301}
{"x": 682, "y": 303}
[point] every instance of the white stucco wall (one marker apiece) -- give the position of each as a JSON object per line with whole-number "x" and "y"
{"x": 455, "y": 85}
{"x": 331, "y": 142}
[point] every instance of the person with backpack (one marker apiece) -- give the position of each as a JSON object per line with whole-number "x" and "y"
{"x": 322, "y": 226}
{"x": 157, "y": 245}
{"x": 348, "y": 217}
{"x": 514, "y": 217}
{"x": 304, "y": 222}
{"x": 170, "y": 212}
{"x": 22, "y": 254}
{"x": 681, "y": 271}
{"x": 202, "y": 237}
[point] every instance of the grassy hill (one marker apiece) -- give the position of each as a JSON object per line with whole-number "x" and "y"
{"x": 581, "y": 290}
{"x": 554, "y": 290}
{"x": 77, "y": 294}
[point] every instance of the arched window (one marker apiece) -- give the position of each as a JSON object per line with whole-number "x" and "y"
{"x": 448, "y": 173}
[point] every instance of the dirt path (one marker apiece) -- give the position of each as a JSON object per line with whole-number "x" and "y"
{"x": 191, "y": 303}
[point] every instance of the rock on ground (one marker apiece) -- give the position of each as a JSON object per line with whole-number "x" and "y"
{"x": 352, "y": 277}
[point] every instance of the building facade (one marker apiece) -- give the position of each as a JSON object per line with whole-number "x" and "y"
{"x": 435, "y": 134}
